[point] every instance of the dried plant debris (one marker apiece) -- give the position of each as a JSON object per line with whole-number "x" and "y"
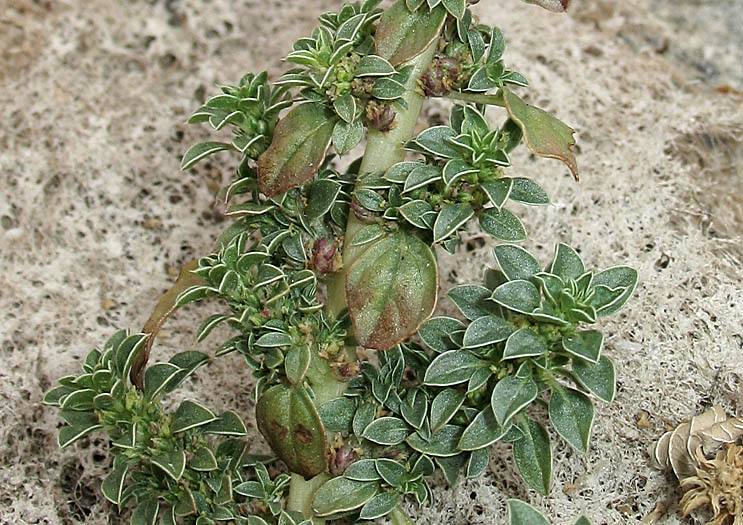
{"x": 710, "y": 430}
{"x": 718, "y": 482}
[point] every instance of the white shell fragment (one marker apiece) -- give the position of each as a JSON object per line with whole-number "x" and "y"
{"x": 709, "y": 430}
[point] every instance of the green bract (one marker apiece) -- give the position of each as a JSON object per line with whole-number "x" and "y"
{"x": 320, "y": 261}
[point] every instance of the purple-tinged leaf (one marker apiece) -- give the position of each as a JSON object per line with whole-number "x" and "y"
{"x": 298, "y": 148}
{"x": 391, "y": 290}
{"x": 544, "y": 135}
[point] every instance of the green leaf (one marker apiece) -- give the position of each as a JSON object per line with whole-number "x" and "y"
{"x": 450, "y": 219}
{"x": 199, "y": 151}
{"x": 436, "y": 140}
{"x": 172, "y": 463}
{"x": 391, "y": 290}
{"x": 455, "y": 7}
{"x": 527, "y": 191}
{"x": 502, "y": 224}
{"x": 456, "y": 168}
{"x": 345, "y": 107}
{"x": 380, "y": 505}
{"x": 70, "y": 434}
{"x": 571, "y": 413}
{"x": 392, "y": 472}
{"x": 544, "y": 135}
{"x": 444, "y": 406}
{"x": 203, "y": 460}
{"x": 598, "y": 378}
{"x": 298, "y": 148}
{"x": 451, "y": 466}
{"x": 373, "y": 66}
{"x": 274, "y": 339}
{"x": 157, "y": 377}
{"x": 614, "y": 278}
{"x": 337, "y": 414}
{"x": 497, "y": 46}
{"x": 524, "y": 343}
{"x": 482, "y": 432}
{"x": 442, "y": 443}
{"x": 297, "y": 363}
{"x": 342, "y": 495}
{"x": 251, "y": 489}
{"x": 400, "y": 172}
{"x": 113, "y": 485}
{"x": 363, "y": 417}
{"x": 487, "y": 331}
{"x": 519, "y": 296}
{"x": 191, "y": 415}
{"x": 532, "y": 454}
{"x": 510, "y": 395}
{"x": 498, "y": 191}
{"x": 582, "y": 520}
{"x": 414, "y": 407}
{"x": 435, "y": 333}
{"x": 520, "y": 513}
{"x": 386, "y": 431}
{"x": 145, "y": 513}
{"x": 585, "y": 345}
{"x": 56, "y": 394}
{"x": 402, "y": 35}
{"x": 477, "y": 463}
{"x": 127, "y": 352}
{"x": 451, "y": 368}
{"x": 516, "y": 262}
{"x": 227, "y": 424}
{"x": 567, "y": 264}
{"x": 421, "y": 176}
{"x": 346, "y": 136}
{"x": 416, "y": 212}
{"x": 289, "y": 421}
{"x": 322, "y": 196}
{"x": 363, "y": 470}
{"x": 471, "y": 300}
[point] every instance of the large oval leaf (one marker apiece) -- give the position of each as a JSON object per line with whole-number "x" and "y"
{"x": 402, "y": 35}
{"x": 289, "y": 421}
{"x": 298, "y": 148}
{"x": 532, "y": 454}
{"x": 391, "y": 290}
{"x": 544, "y": 135}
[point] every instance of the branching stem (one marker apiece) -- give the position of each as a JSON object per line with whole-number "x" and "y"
{"x": 382, "y": 151}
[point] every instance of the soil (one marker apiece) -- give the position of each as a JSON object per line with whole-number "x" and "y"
{"x": 96, "y": 218}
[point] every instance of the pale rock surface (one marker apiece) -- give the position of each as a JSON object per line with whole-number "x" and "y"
{"x": 95, "y": 216}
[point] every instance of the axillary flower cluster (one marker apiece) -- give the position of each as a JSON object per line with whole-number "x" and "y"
{"x": 329, "y": 259}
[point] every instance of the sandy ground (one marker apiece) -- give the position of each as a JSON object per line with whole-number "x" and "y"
{"x": 95, "y": 217}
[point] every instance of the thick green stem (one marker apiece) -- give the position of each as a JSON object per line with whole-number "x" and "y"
{"x": 382, "y": 151}
{"x": 398, "y": 517}
{"x": 301, "y": 492}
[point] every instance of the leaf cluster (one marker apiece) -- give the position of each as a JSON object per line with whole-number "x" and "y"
{"x": 519, "y": 343}
{"x": 189, "y": 466}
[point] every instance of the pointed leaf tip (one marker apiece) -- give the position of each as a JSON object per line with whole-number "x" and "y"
{"x": 545, "y": 135}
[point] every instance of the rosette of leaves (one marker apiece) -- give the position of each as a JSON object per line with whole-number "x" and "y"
{"x": 251, "y": 109}
{"x": 469, "y": 59}
{"x": 523, "y": 335}
{"x": 168, "y": 463}
{"x": 461, "y": 178}
{"x": 272, "y": 304}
